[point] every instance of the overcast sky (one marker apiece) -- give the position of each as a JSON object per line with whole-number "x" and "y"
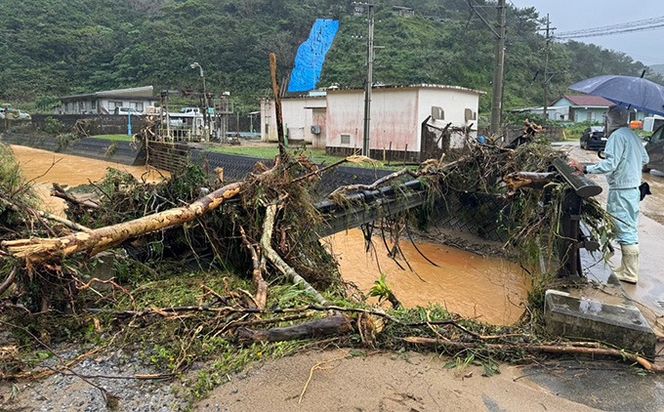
{"x": 567, "y": 15}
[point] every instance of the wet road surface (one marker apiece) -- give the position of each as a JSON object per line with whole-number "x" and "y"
{"x": 648, "y": 294}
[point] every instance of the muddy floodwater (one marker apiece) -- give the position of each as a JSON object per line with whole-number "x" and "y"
{"x": 488, "y": 289}
{"x": 45, "y": 168}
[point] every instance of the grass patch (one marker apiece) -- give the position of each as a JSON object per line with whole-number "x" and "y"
{"x": 317, "y": 156}
{"x": 113, "y": 137}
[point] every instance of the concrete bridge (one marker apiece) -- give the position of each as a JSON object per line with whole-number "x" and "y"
{"x": 577, "y": 312}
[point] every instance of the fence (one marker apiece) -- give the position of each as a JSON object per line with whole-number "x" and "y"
{"x": 95, "y": 124}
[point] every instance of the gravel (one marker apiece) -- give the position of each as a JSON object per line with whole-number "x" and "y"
{"x": 67, "y": 392}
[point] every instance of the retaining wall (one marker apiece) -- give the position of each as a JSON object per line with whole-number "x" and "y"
{"x": 120, "y": 152}
{"x": 96, "y": 124}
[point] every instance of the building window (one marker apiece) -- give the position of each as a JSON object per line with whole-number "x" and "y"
{"x": 139, "y": 107}
{"x": 345, "y": 139}
{"x": 93, "y": 104}
{"x": 437, "y": 113}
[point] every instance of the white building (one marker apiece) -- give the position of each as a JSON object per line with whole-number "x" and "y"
{"x": 399, "y": 118}
{"x": 304, "y": 119}
{"x": 137, "y": 100}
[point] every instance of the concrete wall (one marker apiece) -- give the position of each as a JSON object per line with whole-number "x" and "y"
{"x": 394, "y": 119}
{"x": 454, "y": 103}
{"x": 109, "y": 104}
{"x": 589, "y": 115}
{"x": 298, "y": 118}
{"x": 397, "y": 115}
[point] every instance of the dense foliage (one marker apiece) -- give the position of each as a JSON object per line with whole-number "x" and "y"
{"x": 53, "y": 47}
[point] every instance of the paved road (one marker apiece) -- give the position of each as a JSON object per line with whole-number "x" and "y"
{"x": 609, "y": 386}
{"x": 649, "y": 292}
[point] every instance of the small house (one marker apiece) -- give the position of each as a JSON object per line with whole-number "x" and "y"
{"x": 578, "y": 109}
{"x": 136, "y": 100}
{"x": 406, "y": 121}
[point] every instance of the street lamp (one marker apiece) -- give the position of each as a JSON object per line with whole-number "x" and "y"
{"x": 196, "y": 65}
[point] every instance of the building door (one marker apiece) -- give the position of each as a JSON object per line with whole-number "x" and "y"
{"x": 319, "y": 117}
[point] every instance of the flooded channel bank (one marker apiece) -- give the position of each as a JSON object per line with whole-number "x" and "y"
{"x": 45, "y": 168}
{"x": 487, "y": 289}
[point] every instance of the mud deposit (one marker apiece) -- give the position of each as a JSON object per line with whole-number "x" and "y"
{"x": 45, "y": 168}
{"x": 490, "y": 290}
{"x": 345, "y": 381}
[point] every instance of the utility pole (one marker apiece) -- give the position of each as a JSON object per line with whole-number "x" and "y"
{"x": 369, "y": 83}
{"x": 499, "y": 72}
{"x": 549, "y": 31}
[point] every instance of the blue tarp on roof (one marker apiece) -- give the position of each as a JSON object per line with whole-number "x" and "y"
{"x": 311, "y": 56}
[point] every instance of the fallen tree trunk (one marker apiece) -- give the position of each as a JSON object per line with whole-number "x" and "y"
{"x": 257, "y": 273}
{"x": 321, "y": 328}
{"x": 39, "y": 250}
{"x": 59, "y": 192}
{"x": 277, "y": 261}
{"x": 556, "y": 349}
{"x": 515, "y": 181}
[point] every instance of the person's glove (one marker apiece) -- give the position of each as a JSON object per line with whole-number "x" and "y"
{"x": 645, "y": 190}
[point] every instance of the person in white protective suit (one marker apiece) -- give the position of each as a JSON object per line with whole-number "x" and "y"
{"x": 624, "y": 159}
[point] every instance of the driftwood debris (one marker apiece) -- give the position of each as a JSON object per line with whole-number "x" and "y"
{"x": 277, "y": 105}
{"x": 337, "y": 325}
{"x": 45, "y": 215}
{"x": 60, "y": 192}
{"x": 553, "y": 349}
{"x": 258, "y": 263}
{"x": 516, "y": 181}
{"x": 39, "y": 250}
{"x": 277, "y": 261}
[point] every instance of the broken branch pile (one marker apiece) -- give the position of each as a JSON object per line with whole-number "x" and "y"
{"x": 261, "y": 226}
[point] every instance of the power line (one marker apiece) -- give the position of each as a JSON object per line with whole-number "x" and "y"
{"x": 608, "y": 33}
{"x": 637, "y": 25}
{"x": 650, "y": 20}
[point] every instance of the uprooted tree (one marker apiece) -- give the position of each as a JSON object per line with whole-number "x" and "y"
{"x": 265, "y": 226}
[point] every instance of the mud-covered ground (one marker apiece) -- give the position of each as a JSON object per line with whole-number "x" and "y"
{"x": 343, "y": 379}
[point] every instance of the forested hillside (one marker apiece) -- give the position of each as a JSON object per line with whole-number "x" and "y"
{"x": 53, "y": 47}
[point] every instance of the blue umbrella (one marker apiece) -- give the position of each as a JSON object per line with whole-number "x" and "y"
{"x": 635, "y": 92}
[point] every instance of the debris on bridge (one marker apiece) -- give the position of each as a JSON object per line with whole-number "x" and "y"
{"x": 121, "y": 235}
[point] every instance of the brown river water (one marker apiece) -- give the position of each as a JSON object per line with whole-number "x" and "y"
{"x": 488, "y": 289}
{"x": 491, "y": 290}
{"x": 45, "y": 168}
